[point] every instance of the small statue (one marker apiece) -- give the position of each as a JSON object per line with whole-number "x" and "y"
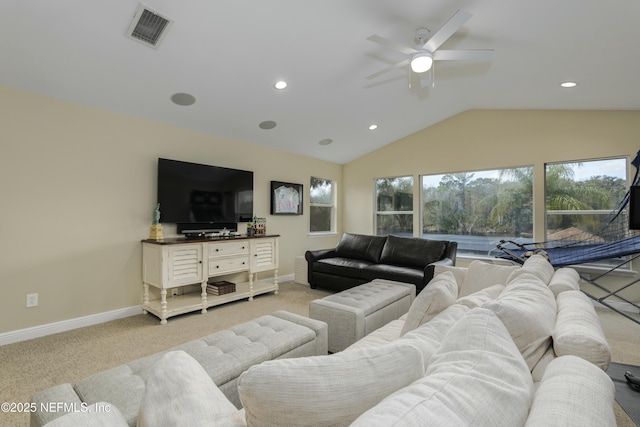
{"x": 156, "y": 215}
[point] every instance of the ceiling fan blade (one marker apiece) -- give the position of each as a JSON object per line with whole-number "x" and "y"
{"x": 447, "y": 30}
{"x": 386, "y": 70}
{"x": 478, "y": 54}
{"x": 395, "y": 46}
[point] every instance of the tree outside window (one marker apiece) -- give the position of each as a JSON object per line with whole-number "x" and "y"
{"x": 322, "y": 205}
{"x": 394, "y": 206}
{"x": 478, "y": 209}
{"x": 580, "y": 195}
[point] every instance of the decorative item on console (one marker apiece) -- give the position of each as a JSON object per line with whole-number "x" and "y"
{"x": 156, "y": 228}
{"x": 260, "y": 225}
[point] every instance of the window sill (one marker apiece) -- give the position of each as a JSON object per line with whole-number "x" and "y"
{"x": 323, "y": 234}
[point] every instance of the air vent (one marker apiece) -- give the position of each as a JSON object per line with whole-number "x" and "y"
{"x": 148, "y": 27}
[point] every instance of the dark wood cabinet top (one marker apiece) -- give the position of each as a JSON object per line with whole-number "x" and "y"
{"x": 181, "y": 240}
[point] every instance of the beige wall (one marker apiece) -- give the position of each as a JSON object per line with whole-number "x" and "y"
{"x": 77, "y": 192}
{"x": 490, "y": 139}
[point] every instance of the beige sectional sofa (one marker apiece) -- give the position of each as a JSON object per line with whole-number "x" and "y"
{"x": 487, "y": 345}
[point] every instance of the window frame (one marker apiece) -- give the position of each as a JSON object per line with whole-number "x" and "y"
{"x": 332, "y": 206}
{"x": 376, "y": 212}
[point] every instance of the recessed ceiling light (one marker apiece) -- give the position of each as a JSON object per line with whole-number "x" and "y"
{"x": 281, "y": 84}
{"x": 267, "y": 124}
{"x": 325, "y": 141}
{"x": 568, "y": 84}
{"x": 183, "y": 99}
{"x": 373, "y": 127}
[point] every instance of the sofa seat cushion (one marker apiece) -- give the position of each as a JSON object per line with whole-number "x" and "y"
{"x": 179, "y": 392}
{"x": 393, "y": 272}
{"x": 341, "y": 266}
{"x": 413, "y": 252}
{"x": 360, "y": 246}
{"x": 476, "y": 378}
{"x": 328, "y": 390}
{"x": 101, "y": 414}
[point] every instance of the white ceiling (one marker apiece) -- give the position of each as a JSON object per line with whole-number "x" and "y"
{"x": 228, "y": 54}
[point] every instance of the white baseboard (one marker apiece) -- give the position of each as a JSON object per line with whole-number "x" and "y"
{"x": 67, "y": 325}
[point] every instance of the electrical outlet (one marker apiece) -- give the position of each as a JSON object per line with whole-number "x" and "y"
{"x": 175, "y": 292}
{"x": 32, "y": 300}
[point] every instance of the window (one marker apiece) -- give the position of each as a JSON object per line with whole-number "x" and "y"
{"x": 478, "y": 209}
{"x": 322, "y": 205}
{"x": 580, "y": 196}
{"x": 394, "y": 206}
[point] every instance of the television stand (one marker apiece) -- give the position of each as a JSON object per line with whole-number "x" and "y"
{"x": 172, "y": 265}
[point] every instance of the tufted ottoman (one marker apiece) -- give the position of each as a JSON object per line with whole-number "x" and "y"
{"x": 356, "y": 312}
{"x": 224, "y": 356}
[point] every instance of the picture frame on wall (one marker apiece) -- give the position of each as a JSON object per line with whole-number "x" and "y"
{"x": 286, "y": 198}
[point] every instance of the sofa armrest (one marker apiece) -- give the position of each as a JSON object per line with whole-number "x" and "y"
{"x": 573, "y": 392}
{"x": 63, "y": 399}
{"x": 320, "y": 328}
{"x": 313, "y": 256}
{"x": 346, "y": 324}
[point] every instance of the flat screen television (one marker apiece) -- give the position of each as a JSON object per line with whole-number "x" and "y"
{"x": 203, "y": 199}
{"x": 634, "y": 208}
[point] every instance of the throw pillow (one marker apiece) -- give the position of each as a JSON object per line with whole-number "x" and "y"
{"x": 458, "y": 272}
{"x": 528, "y": 309}
{"x": 326, "y": 390}
{"x": 476, "y": 378}
{"x": 481, "y": 275}
{"x": 578, "y": 331}
{"x": 179, "y": 392}
{"x": 573, "y": 392}
{"x": 439, "y": 294}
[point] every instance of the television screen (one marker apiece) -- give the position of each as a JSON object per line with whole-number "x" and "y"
{"x": 203, "y": 195}
{"x": 634, "y": 208}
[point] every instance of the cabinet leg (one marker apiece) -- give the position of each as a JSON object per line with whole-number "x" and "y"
{"x": 163, "y": 307}
{"x": 203, "y": 294}
{"x": 275, "y": 281}
{"x": 145, "y": 297}
{"x": 251, "y": 278}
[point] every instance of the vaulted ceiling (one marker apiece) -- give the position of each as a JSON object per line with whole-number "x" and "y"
{"x": 229, "y": 54}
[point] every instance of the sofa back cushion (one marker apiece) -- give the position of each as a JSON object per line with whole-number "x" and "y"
{"x": 481, "y": 275}
{"x": 441, "y": 292}
{"x": 328, "y": 390}
{"x": 412, "y": 252}
{"x": 578, "y": 331}
{"x": 360, "y": 246}
{"x": 528, "y": 309}
{"x": 476, "y": 378}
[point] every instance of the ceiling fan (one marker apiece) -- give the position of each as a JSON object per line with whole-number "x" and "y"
{"x": 422, "y": 56}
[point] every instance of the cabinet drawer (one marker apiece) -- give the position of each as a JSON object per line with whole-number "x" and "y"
{"x": 221, "y": 249}
{"x": 227, "y": 265}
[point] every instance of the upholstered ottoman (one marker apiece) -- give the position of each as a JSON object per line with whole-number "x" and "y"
{"x": 356, "y": 312}
{"x": 224, "y": 355}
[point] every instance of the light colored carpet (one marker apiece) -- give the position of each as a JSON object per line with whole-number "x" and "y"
{"x": 34, "y": 365}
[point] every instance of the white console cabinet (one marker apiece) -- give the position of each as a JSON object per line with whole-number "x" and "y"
{"x": 173, "y": 263}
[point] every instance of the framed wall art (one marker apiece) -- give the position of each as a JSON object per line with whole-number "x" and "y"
{"x": 286, "y": 198}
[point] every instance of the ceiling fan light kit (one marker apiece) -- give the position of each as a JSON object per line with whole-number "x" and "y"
{"x": 421, "y": 62}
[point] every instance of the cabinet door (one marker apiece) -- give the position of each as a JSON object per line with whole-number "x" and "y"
{"x": 185, "y": 265}
{"x": 264, "y": 254}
